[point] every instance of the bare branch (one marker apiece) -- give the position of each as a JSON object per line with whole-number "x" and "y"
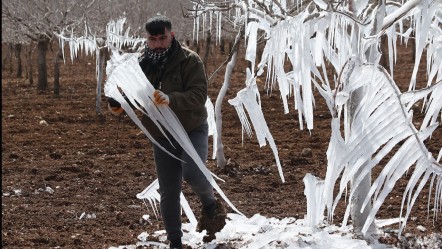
{"x": 234, "y": 48}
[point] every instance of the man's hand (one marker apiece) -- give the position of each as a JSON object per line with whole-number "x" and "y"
{"x": 114, "y": 106}
{"x": 115, "y": 110}
{"x": 160, "y": 98}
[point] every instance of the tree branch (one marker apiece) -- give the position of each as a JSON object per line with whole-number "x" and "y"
{"x": 234, "y": 48}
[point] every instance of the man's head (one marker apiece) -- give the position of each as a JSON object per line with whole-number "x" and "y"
{"x": 159, "y": 33}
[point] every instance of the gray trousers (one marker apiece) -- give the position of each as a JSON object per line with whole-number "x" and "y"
{"x": 171, "y": 173}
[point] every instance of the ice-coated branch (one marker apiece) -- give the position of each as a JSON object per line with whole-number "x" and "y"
{"x": 435, "y": 167}
{"x": 399, "y": 13}
{"x": 231, "y": 53}
{"x": 115, "y": 37}
{"x": 434, "y": 107}
{"x": 381, "y": 123}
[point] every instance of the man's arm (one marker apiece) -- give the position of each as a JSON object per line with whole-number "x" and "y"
{"x": 195, "y": 82}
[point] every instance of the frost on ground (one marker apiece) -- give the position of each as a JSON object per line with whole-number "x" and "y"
{"x": 261, "y": 232}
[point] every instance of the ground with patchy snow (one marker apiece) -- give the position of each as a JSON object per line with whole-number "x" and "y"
{"x": 261, "y": 232}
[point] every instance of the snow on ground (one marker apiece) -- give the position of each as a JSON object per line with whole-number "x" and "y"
{"x": 268, "y": 233}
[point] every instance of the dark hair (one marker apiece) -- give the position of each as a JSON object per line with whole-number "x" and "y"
{"x": 156, "y": 25}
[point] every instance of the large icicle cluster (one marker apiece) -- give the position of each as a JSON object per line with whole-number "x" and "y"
{"x": 117, "y": 37}
{"x": 90, "y": 42}
{"x": 126, "y": 77}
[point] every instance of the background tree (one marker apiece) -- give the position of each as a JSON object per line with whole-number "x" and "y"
{"x": 116, "y": 37}
{"x": 208, "y": 17}
{"x": 17, "y": 53}
{"x": 37, "y": 20}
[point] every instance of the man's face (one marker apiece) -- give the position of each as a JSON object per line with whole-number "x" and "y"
{"x": 159, "y": 43}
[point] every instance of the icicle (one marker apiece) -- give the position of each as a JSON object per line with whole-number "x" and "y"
{"x": 212, "y": 125}
{"x": 251, "y": 33}
{"x": 204, "y": 25}
{"x": 197, "y": 27}
{"x": 194, "y": 26}
{"x": 220, "y": 21}
{"x": 150, "y": 194}
{"x": 434, "y": 107}
{"x": 423, "y": 21}
{"x": 313, "y": 190}
{"x": 391, "y": 40}
{"x": 125, "y": 74}
{"x": 211, "y": 21}
{"x": 247, "y": 98}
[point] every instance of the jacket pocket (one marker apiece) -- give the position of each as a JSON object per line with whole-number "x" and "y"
{"x": 175, "y": 83}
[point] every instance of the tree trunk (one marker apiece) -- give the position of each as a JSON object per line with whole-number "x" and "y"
{"x": 17, "y": 51}
{"x": 220, "y": 158}
{"x": 384, "y": 53}
{"x": 42, "y": 47}
{"x": 30, "y": 68}
{"x": 207, "y": 51}
{"x": 57, "y": 58}
{"x": 10, "y": 52}
{"x": 222, "y": 46}
{"x": 196, "y": 46}
{"x": 8, "y": 58}
{"x": 359, "y": 218}
{"x": 363, "y": 188}
{"x": 100, "y": 65}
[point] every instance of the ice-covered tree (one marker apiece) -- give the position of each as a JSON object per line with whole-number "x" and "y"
{"x": 343, "y": 38}
{"x": 213, "y": 19}
{"x": 34, "y": 20}
{"x": 117, "y": 36}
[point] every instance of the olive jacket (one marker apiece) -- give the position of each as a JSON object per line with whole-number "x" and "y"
{"x": 184, "y": 80}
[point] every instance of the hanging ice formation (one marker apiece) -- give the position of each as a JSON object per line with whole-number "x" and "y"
{"x": 212, "y": 125}
{"x": 247, "y": 99}
{"x": 151, "y": 195}
{"x": 315, "y": 202}
{"x": 125, "y": 76}
{"x": 90, "y": 44}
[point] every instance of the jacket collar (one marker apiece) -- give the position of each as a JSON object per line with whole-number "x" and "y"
{"x": 177, "y": 57}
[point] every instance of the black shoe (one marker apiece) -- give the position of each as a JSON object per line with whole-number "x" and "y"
{"x": 176, "y": 244}
{"x": 213, "y": 220}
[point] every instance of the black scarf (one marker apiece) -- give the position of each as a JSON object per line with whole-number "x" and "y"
{"x": 157, "y": 61}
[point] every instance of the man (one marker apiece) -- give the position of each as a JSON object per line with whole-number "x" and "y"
{"x": 179, "y": 78}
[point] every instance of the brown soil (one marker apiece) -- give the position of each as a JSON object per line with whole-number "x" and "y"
{"x": 97, "y": 164}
